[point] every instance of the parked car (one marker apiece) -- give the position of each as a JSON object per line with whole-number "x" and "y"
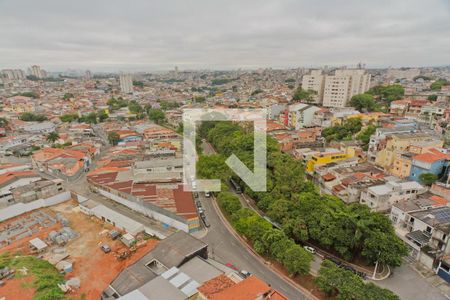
{"x": 195, "y": 194}
{"x": 337, "y": 262}
{"x": 105, "y": 248}
{"x": 205, "y": 221}
{"x": 207, "y": 194}
{"x": 310, "y": 249}
{"x": 114, "y": 234}
{"x": 245, "y": 273}
{"x": 201, "y": 210}
{"x": 198, "y": 204}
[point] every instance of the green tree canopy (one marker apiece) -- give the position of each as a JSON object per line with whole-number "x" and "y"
{"x": 68, "y": 96}
{"x": 388, "y": 93}
{"x": 364, "y": 102}
{"x": 113, "y": 138}
{"x": 303, "y": 95}
{"x": 428, "y": 178}
{"x": 31, "y": 117}
{"x": 68, "y": 117}
{"x": 438, "y": 84}
{"x": 156, "y": 115}
{"x": 52, "y": 136}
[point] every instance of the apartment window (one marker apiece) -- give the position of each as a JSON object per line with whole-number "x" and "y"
{"x": 428, "y": 229}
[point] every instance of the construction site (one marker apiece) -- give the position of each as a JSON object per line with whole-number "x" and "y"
{"x": 83, "y": 252}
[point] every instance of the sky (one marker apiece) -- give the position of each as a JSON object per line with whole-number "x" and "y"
{"x": 147, "y": 35}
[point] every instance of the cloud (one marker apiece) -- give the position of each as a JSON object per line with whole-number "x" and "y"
{"x": 152, "y": 35}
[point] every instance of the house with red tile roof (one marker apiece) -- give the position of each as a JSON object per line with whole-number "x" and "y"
{"x": 251, "y": 288}
{"x": 64, "y": 163}
{"x": 432, "y": 162}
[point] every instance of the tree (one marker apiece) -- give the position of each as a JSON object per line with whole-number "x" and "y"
{"x": 68, "y": 96}
{"x": 364, "y": 102}
{"x": 138, "y": 83}
{"x": 432, "y": 98}
{"x": 199, "y": 99}
{"x": 334, "y": 280}
{"x": 438, "y": 84}
{"x": 90, "y": 118}
{"x": 428, "y": 178}
{"x": 134, "y": 107}
{"x": 68, "y": 118}
{"x": 3, "y": 122}
{"x": 113, "y": 138}
{"x": 31, "y": 117}
{"x": 366, "y": 133}
{"x": 229, "y": 202}
{"x": 303, "y": 95}
{"x": 156, "y": 115}
{"x": 388, "y": 93}
{"x": 102, "y": 115}
{"x": 52, "y": 137}
{"x": 297, "y": 260}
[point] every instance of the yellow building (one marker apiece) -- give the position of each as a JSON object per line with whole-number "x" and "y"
{"x": 401, "y": 166}
{"x": 324, "y": 158}
{"x": 396, "y": 143}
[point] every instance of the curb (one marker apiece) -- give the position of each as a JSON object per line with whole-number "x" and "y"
{"x": 256, "y": 255}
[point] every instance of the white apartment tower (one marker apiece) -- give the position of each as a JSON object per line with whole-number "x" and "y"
{"x": 36, "y": 71}
{"x": 13, "y": 74}
{"x": 343, "y": 85}
{"x": 315, "y": 81}
{"x": 126, "y": 83}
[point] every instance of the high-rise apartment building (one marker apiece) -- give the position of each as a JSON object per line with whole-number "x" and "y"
{"x": 336, "y": 90}
{"x": 126, "y": 83}
{"x": 37, "y": 72}
{"x": 315, "y": 81}
{"x": 13, "y": 74}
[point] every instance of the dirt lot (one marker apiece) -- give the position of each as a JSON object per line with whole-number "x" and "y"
{"x": 94, "y": 268}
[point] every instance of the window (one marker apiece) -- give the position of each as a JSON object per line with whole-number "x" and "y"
{"x": 428, "y": 229}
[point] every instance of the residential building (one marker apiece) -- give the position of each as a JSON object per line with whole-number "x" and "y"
{"x": 433, "y": 162}
{"x": 315, "y": 81}
{"x": 382, "y": 197}
{"x": 126, "y": 83}
{"x": 343, "y": 85}
{"x": 13, "y": 74}
{"x": 299, "y": 115}
{"x": 328, "y": 156}
{"x": 251, "y": 288}
{"x": 37, "y": 71}
{"x": 425, "y": 228}
{"x": 394, "y": 143}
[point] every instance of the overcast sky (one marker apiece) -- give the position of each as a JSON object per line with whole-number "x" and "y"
{"x": 151, "y": 35}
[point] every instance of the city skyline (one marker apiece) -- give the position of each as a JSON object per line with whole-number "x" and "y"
{"x": 157, "y": 36}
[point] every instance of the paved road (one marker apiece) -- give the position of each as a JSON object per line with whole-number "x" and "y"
{"x": 410, "y": 285}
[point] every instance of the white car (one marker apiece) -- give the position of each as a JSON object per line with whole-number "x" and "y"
{"x": 207, "y": 194}
{"x": 310, "y": 249}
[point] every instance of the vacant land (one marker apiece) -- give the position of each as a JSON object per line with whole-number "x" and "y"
{"x": 94, "y": 268}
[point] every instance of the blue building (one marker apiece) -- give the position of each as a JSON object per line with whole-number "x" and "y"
{"x": 435, "y": 162}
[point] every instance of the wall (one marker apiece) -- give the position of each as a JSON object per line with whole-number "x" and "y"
{"x": 21, "y": 208}
{"x": 146, "y": 211}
